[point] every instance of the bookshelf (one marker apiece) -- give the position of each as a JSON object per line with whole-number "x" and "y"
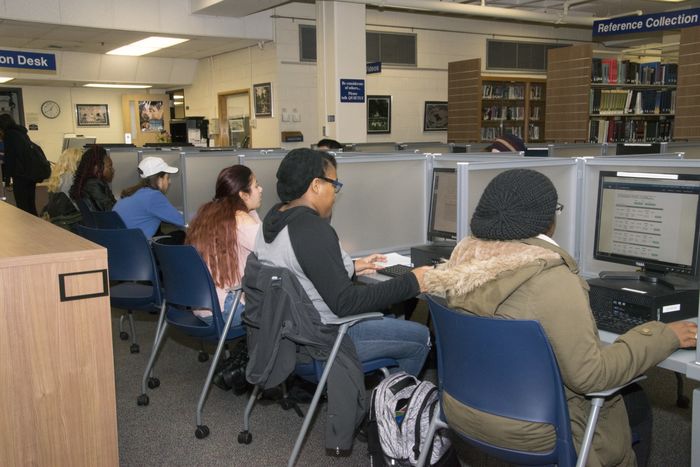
{"x": 482, "y": 108}
{"x": 687, "y": 121}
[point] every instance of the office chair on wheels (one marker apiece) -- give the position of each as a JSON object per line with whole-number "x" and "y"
{"x": 506, "y": 367}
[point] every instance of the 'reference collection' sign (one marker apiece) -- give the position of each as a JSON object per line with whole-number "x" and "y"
{"x": 646, "y": 23}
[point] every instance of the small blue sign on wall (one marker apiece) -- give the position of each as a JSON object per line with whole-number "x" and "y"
{"x": 352, "y": 90}
{"x": 31, "y": 60}
{"x": 647, "y": 23}
{"x": 374, "y": 67}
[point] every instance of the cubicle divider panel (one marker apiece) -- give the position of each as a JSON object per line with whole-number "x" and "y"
{"x": 383, "y": 205}
{"x": 265, "y": 170}
{"x": 126, "y": 163}
{"x": 450, "y": 160}
{"x": 591, "y": 169}
{"x": 430, "y": 147}
{"x": 174, "y": 159}
{"x": 199, "y": 172}
{"x": 578, "y": 150}
{"x": 690, "y": 148}
{"x": 473, "y": 177}
{"x": 666, "y": 155}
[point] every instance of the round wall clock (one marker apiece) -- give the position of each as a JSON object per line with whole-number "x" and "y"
{"x": 50, "y": 109}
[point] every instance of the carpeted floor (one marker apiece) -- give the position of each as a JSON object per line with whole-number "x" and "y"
{"x": 162, "y": 433}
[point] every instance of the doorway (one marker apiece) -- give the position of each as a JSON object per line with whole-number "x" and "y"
{"x": 234, "y": 118}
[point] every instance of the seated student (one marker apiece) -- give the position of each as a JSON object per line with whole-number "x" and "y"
{"x": 511, "y": 268}
{"x": 60, "y": 209}
{"x": 297, "y": 235}
{"x": 224, "y": 231}
{"x": 91, "y": 181}
{"x": 506, "y": 143}
{"x": 144, "y": 205}
{"x": 328, "y": 145}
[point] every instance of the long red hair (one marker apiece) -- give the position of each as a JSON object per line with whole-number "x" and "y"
{"x": 213, "y": 230}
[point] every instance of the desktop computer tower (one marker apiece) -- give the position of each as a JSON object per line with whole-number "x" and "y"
{"x": 641, "y": 299}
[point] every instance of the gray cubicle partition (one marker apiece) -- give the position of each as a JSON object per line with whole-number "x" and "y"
{"x": 126, "y": 162}
{"x": 423, "y": 147}
{"x": 449, "y": 161}
{"x": 591, "y": 169}
{"x": 472, "y": 178}
{"x": 199, "y": 172}
{"x": 579, "y": 149}
{"x": 372, "y": 147}
{"x": 265, "y": 169}
{"x": 172, "y": 157}
{"x": 690, "y": 148}
{"x": 383, "y": 205}
{"x": 665, "y": 155}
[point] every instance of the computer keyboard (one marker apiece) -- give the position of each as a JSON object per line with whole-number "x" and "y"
{"x": 395, "y": 270}
{"x": 616, "y": 322}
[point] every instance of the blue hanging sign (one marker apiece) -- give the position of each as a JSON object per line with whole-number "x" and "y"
{"x": 647, "y": 23}
{"x": 352, "y": 90}
{"x": 374, "y": 67}
{"x": 31, "y": 60}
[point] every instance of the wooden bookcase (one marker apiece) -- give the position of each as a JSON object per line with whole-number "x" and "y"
{"x": 687, "y": 122}
{"x": 58, "y": 393}
{"x": 482, "y": 108}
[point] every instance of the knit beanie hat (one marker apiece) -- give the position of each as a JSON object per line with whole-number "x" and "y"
{"x": 507, "y": 143}
{"x": 516, "y": 204}
{"x": 296, "y": 171}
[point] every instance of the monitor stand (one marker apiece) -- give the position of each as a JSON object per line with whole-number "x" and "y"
{"x": 672, "y": 280}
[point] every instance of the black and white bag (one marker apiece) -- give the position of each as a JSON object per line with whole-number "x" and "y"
{"x": 400, "y": 411}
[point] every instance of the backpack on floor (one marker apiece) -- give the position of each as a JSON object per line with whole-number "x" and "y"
{"x": 400, "y": 411}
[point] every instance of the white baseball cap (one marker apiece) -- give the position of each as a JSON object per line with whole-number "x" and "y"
{"x": 154, "y": 165}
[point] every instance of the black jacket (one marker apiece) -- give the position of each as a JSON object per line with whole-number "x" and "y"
{"x": 16, "y": 142}
{"x": 279, "y": 316}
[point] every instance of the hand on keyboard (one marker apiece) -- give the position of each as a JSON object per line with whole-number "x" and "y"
{"x": 686, "y": 331}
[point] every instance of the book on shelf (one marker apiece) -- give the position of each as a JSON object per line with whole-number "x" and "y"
{"x": 629, "y": 131}
{"x": 618, "y": 71}
{"x": 632, "y": 101}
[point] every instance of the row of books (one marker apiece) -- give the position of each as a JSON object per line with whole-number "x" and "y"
{"x": 617, "y": 71}
{"x": 534, "y": 132}
{"x": 491, "y": 133}
{"x": 620, "y": 101}
{"x": 536, "y": 92}
{"x": 536, "y": 112}
{"x": 629, "y": 131}
{"x": 503, "y": 112}
{"x": 503, "y": 91}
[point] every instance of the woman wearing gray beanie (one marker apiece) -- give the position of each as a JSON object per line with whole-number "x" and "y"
{"x": 511, "y": 268}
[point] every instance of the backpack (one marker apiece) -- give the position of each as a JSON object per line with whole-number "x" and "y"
{"x": 61, "y": 211}
{"x": 400, "y": 411}
{"x": 35, "y": 165}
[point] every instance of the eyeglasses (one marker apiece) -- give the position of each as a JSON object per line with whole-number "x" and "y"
{"x": 559, "y": 208}
{"x": 336, "y": 184}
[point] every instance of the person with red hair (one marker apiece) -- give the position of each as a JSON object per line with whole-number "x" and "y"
{"x": 224, "y": 231}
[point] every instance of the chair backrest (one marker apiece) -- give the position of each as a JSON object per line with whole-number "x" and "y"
{"x": 108, "y": 220}
{"x": 87, "y": 213}
{"x": 187, "y": 281}
{"x": 504, "y": 367}
{"x": 129, "y": 254}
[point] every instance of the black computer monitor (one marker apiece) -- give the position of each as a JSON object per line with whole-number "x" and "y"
{"x": 623, "y": 149}
{"x": 443, "y": 205}
{"x": 537, "y": 152}
{"x": 649, "y": 220}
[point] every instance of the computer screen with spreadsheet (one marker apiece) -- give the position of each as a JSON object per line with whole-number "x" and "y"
{"x": 443, "y": 205}
{"x": 649, "y": 220}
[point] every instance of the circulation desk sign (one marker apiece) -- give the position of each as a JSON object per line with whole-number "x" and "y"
{"x": 31, "y": 60}
{"x": 647, "y": 23}
{"x": 352, "y": 90}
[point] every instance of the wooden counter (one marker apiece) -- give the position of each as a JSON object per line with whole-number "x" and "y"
{"x": 57, "y": 389}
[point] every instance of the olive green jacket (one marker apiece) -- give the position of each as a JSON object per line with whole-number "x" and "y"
{"x": 535, "y": 279}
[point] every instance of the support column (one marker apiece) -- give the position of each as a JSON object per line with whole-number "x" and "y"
{"x": 340, "y": 55}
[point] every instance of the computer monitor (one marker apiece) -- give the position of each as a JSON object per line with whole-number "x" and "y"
{"x": 77, "y": 141}
{"x": 649, "y": 220}
{"x": 442, "y": 224}
{"x": 537, "y": 152}
{"x": 638, "y": 148}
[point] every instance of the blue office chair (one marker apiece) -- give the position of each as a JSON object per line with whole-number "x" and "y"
{"x": 188, "y": 285}
{"x": 506, "y": 367}
{"x": 134, "y": 283}
{"x": 88, "y": 219}
{"x": 108, "y": 220}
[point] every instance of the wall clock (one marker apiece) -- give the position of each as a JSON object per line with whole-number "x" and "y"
{"x": 50, "y": 109}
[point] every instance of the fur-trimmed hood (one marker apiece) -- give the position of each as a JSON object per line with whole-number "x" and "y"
{"x": 481, "y": 274}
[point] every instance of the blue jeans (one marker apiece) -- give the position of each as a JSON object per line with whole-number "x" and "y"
{"x": 228, "y": 304}
{"x": 407, "y": 342}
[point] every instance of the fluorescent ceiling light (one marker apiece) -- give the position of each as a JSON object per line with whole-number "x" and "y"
{"x": 178, "y": 103}
{"x": 5, "y": 79}
{"x": 177, "y": 96}
{"x": 147, "y": 46}
{"x": 119, "y": 86}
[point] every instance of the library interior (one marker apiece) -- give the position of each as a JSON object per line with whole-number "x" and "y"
{"x": 127, "y": 127}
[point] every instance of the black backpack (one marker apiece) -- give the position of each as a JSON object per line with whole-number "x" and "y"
{"x": 35, "y": 166}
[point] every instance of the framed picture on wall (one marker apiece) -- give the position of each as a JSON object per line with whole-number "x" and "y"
{"x": 151, "y": 116}
{"x": 92, "y": 114}
{"x": 11, "y": 104}
{"x": 435, "y": 116}
{"x": 262, "y": 94}
{"x": 378, "y": 114}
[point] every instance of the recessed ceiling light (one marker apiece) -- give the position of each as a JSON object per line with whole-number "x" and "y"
{"x": 178, "y": 103}
{"x": 118, "y": 86}
{"x": 5, "y": 79}
{"x": 147, "y": 46}
{"x": 178, "y": 96}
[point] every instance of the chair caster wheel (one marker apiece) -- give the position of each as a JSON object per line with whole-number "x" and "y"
{"x": 124, "y": 335}
{"x": 153, "y": 383}
{"x": 201, "y": 432}
{"x": 245, "y": 437}
{"x": 134, "y": 348}
{"x": 203, "y": 356}
{"x": 142, "y": 399}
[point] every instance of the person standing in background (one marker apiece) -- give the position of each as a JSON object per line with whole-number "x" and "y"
{"x": 17, "y": 147}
